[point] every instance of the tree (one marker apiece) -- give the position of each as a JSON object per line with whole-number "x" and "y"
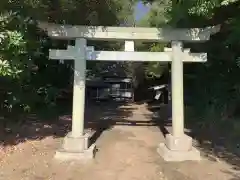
{"x": 213, "y": 87}
{"x": 30, "y": 79}
{"x": 157, "y": 17}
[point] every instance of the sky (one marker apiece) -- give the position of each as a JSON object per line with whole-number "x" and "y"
{"x": 140, "y": 10}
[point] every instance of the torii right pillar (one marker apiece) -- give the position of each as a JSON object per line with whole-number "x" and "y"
{"x": 177, "y": 146}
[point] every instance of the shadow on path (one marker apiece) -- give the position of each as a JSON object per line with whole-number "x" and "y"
{"x": 161, "y": 115}
{"x": 37, "y": 126}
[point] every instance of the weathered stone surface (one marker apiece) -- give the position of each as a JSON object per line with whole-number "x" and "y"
{"x": 84, "y": 155}
{"x": 182, "y": 143}
{"x": 76, "y": 148}
{"x": 177, "y": 156}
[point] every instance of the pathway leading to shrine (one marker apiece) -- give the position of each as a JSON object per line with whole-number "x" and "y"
{"x": 126, "y": 150}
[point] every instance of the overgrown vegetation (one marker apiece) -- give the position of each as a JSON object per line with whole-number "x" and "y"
{"x": 213, "y": 87}
{"x": 29, "y": 80}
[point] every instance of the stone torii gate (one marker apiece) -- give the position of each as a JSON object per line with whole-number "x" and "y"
{"x": 178, "y": 146}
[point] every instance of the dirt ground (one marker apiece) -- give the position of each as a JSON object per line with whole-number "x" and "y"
{"x": 126, "y": 151}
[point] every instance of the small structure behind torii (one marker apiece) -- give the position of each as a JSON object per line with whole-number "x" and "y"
{"x": 178, "y": 146}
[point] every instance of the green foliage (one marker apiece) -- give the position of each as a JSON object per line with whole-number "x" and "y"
{"x": 29, "y": 80}
{"x": 156, "y": 69}
{"x": 158, "y": 15}
{"x": 12, "y": 46}
{"x": 212, "y": 89}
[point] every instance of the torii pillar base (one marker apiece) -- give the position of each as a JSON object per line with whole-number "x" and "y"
{"x": 177, "y": 149}
{"x": 76, "y": 149}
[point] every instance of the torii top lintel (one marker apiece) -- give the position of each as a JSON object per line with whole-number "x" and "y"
{"x": 69, "y": 32}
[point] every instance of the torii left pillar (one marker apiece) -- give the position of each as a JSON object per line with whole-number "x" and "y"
{"x": 75, "y": 144}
